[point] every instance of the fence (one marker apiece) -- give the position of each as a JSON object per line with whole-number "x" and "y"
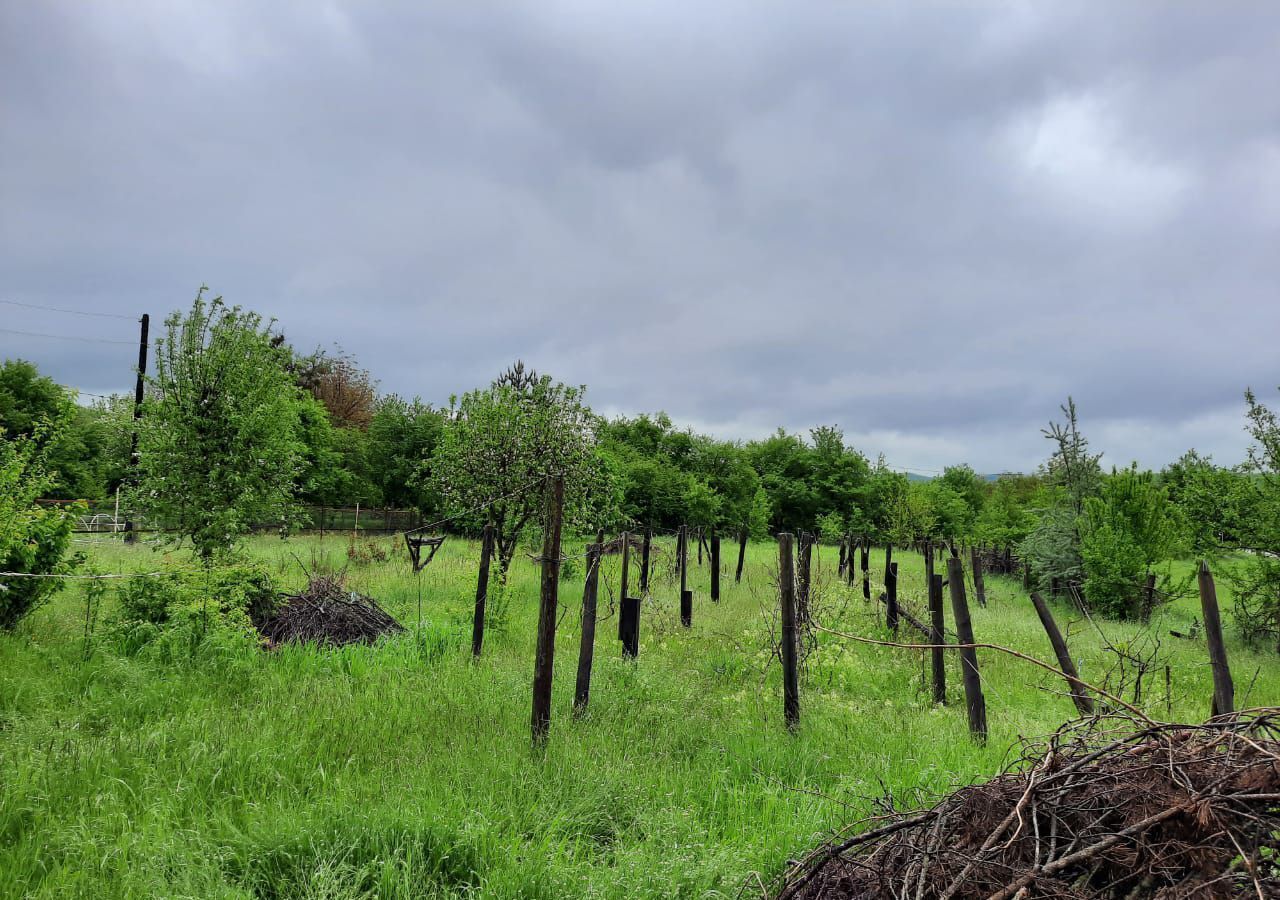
{"x": 109, "y": 519}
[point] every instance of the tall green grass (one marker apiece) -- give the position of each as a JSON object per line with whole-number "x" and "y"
{"x": 405, "y": 769}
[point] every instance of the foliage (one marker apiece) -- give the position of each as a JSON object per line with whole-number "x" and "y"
{"x": 1258, "y": 585}
{"x": 402, "y": 435}
{"x": 1215, "y": 502}
{"x": 220, "y": 446}
{"x": 34, "y": 538}
{"x": 499, "y": 447}
{"x": 346, "y": 390}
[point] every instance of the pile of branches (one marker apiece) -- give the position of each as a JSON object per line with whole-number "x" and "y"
{"x": 1166, "y": 811}
{"x": 327, "y": 613}
{"x": 1000, "y": 561}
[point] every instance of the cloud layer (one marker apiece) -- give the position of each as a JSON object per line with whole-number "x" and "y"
{"x": 925, "y": 223}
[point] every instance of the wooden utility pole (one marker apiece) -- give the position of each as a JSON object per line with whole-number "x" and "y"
{"x": 1079, "y": 693}
{"x": 587, "y": 649}
{"x": 482, "y": 590}
{"x": 937, "y": 637}
{"x": 544, "y": 660}
{"x": 787, "y": 597}
{"x": 973, "y": 698}
{"x": 1224, "y": 692}
{"x": 145, "y": 323}
{"x": 715, "y": 566}
{"x": 742, "y": 555}
{"x": 686, "y": 595}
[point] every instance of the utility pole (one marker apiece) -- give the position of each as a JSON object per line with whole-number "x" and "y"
{"x": 137, "y": 412}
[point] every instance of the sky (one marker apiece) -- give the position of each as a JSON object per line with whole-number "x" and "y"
{"x": 927, "y": 224}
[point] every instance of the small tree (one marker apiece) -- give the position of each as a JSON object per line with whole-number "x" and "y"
{"x": 34, "y": 538}
{"x": 218, "y": 447}
{"x": 498, "y": 446}
{"x": 1258, "y": 582}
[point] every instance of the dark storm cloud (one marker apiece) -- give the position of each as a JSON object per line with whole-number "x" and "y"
{"x": 928, "y": 224}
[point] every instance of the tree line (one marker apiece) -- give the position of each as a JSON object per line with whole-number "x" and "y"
{"x": 240, "y": 428}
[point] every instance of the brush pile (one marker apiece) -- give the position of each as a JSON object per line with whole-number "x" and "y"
{"x": 1168, "y": 811}
{"x": 327, "y": 613}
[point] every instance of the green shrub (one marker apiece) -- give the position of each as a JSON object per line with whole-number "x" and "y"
{"x": 230, "y": 597}
{"x": 1113, "y": 572}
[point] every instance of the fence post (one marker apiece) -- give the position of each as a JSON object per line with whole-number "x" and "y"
{"x": 974, "y": 701}
{"x": 644, "y": 561}
{"x": 544, "y": 660}
{"x": 864, "y": 560}
{"x": 622, "y": 585}
{"x": 482, "y": 590}
{"x": 1079, "y": 694}
{"x": 742, "y": 555}
{"x": 979, "y": 587}
{"x": 715, "y": 566}
{"x": 790, "y": 673}
{"x": 888, "y": 561}
{"x": 891, "y": 597}
{"x": 586, "y": 651}
{"x": 843, "y": 550}
{"x": 803, "y": 575}
{"x": 686, "y": 595}
{"x": 937, "y": 637}
{"x": 1224, "y": 692}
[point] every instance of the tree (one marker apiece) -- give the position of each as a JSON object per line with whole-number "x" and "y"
{"x": 347, "y": 390}
{"x": 402, "y": 434}
{"x": 219, "y": 446}
{"x": 1257, "y": 584}
{"x": 497, "y": 449}
{"x": 34, "y": 537}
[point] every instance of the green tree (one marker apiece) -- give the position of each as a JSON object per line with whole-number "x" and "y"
{"x": 402, "y": 434}
{"x": 498, "y": 448}
{"x": 1257, "y": 583}
{"x": 220, "y": 446}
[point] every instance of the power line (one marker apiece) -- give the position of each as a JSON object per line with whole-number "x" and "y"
{"x": 65, "y": 337}
{"x": 74, "y": 312}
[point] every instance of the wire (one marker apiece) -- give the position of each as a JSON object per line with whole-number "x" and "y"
{"x": 466, "y": 512}
{"x": 65, "y": 337}
{"x": 86, "y": 577}
{"x": 74, "y": 312}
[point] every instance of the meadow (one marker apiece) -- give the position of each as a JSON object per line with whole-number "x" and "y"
{"x": 406, "y": 769}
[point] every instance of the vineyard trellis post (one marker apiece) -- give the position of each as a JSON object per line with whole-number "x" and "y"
{"x": 622, "y": 581}
{"x": 1223, "y": 688}
{"x": 979, "y": 586}
{"x": 686, "y": 595}
{"x": 937, "y": 637}
{"x": 787, "y": 599}
{"x": 715, "y": 566}
{"x": 891, "y": 597}
{"x": 975, "y": 703}
{"x": 1079, "y": 694}
{"x": 586, "y": 651}
{"x": 482, "y": 590}
{"x": 645, "y": 549}
{"x": 544, "y": 660}
{"x": 742, "y": 555}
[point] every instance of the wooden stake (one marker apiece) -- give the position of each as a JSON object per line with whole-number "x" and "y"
{"x": 742, "y": 555}
{"x": 979, "y": 588}
{"x": 937, "y": 637}
{"x": 626, "y": 565}
{"x": 790, "y": 671}
{"x": 1224, "y": 692}
{"x": 544, "y": 660}
{"x": 891, "y": 597}
{"x": 482, "y": 590}
{"x": 1079, "y": 693}
{"x": 587, "y": 649}
{"x": 865, "y": 563}
{"x": 804, "y": 574}
{"x": 686, "y": 595}
{"x": 715, "y": 567}
{"x": 974, "y": 701}
{"x": 644, "y": 562}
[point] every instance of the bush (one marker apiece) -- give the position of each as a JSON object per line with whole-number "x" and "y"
{"x": 233, "y": 597}
{"x": 1113, "y": 572}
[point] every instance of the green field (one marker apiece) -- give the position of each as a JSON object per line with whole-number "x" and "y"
{"x": 405, "y": 770}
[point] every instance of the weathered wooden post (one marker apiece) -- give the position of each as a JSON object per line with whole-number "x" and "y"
{"x": 644, "y": 562}
{"x": 891, "y": 597}
{"x": 843, "y": 551}
{"x": 790, "y": 671}
{"x": 979, "y": 587}
{"x": 1224, "y": 692}
{"x": 622, "y": 586}
{"x": 544, "y": 660}
{"x": 587, "y": 649}
{"x": 937, "y": 637}
{"x": 974, "y": 701}
{"x": 686, "y": 595}
{"x": 803, "y": 575}
{"x": 742, "y": 555}
{"x": 715, "y": 567}
{"x": 864, "y": 559}
{"x": 888, "y": 561}
{"x": 848, "y": 561}
{"x": 482, "y": 590}
{"x": 1079, "y": 693}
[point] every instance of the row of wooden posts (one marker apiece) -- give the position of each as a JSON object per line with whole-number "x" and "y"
{"x": 794, "y": 588}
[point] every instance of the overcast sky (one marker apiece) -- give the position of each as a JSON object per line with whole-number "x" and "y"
{"x": 927, "y": 224}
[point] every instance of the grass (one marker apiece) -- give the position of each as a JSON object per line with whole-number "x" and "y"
{"x": 405, "y": 770}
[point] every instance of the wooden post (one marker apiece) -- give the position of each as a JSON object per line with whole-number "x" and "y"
{"x": 803, "y": 575}
{"x": 979, "y": 587}
{"x": 848, "y": 560}
{"x": 622, "y": 587}
{"x": 742, "y": 555}
{"x": 145, "y": 322}
{"x": 865, "y": 561}
{"x": 702, "y": 539}
{"x": 891, "y": 597}
{"x": 888, "y": 561}
{"x": 790, "y": 672}
{"x": 587, "y": 649}
{"x": 644, "y": 561}
{"x": 1079, "y": 693}
{"x": 974, "y": 701}
{"x": 482, "y": 590}
{"x": 544, "y": 660}
{"x": 1224, "y": 692}
{"x": 686, "y": 595}
{"x": 715, "y": 567}
{"x": 843, "y": 552}
{"x": 937, "y": 637}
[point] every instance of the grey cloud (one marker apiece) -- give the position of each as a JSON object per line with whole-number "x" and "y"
{"x": 926, "y": 222}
